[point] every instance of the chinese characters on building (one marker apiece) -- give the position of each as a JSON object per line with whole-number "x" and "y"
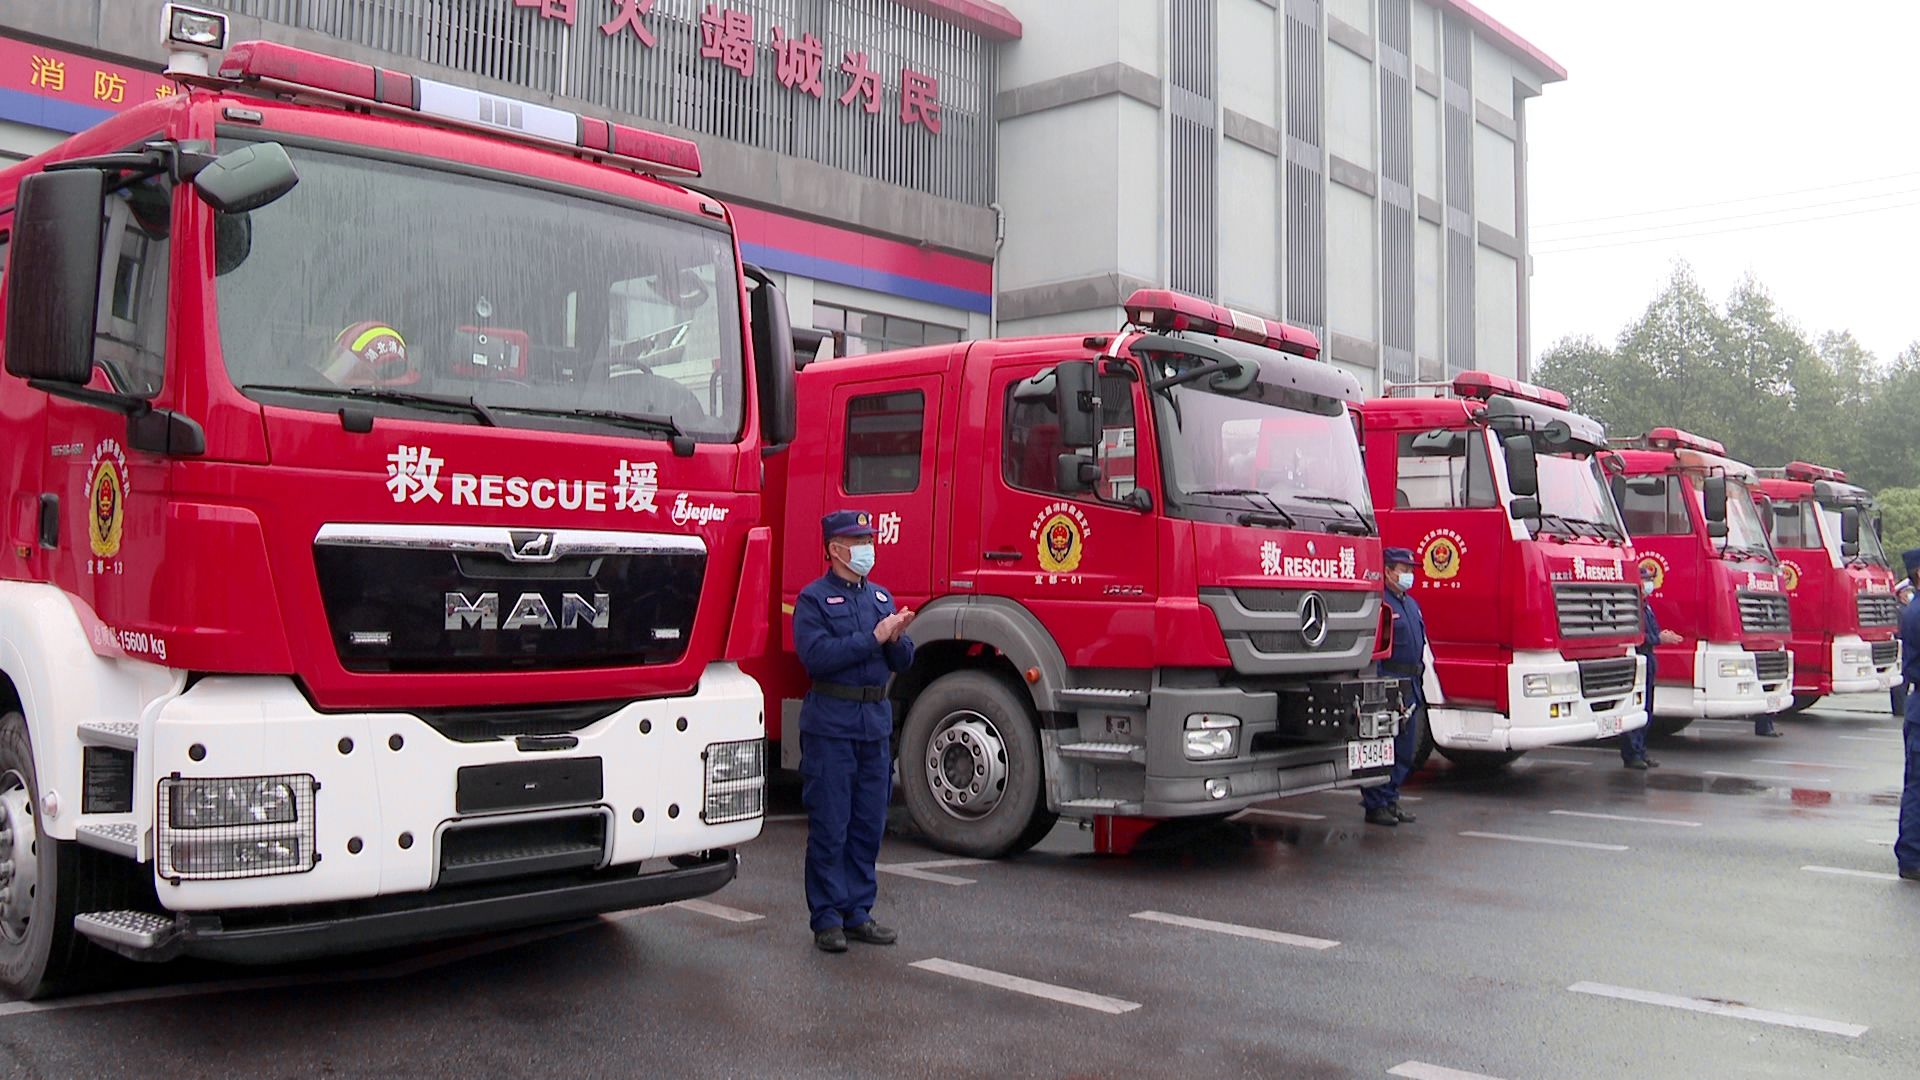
{"x": 730, "y": 38}
{"x": 70, "y": 79}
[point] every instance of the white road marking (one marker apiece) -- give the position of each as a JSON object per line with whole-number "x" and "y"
{"x": 1623, "y": 817}
{"x": 1874, "y": 738}
{"x": 1547, "y": 840}
{"x": 1807, "y": 764}
{"x": 1292, "y": 815}
{"x": 1420, "y": 1070}
{"x": 719, "y": 911}
{"x": 1841, "y": 871}
{"x": 1584, "y": 750}
{"x": 1881, "y": 843}
{"x": 1777, "y": 779}
{"x": 1717, "y": 1008}
{"x": 1112, "y": 1006}
{"x": 923, "y": 870}
{"x": 1558, "y": 760}
{"x": 1275, "y": 936}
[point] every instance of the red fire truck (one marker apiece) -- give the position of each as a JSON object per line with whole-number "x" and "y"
{"x": 383, "y": 477}
{"x": 1716, "y": 582}
{"x": 1838, "y": 581}
{"x": 1145, "y": 565}
{"x": 1523, "y": 568}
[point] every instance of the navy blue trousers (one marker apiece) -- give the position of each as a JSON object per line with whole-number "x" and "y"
{"x": 1405, "y": 745}
{"x": 1906, "y": 849}
{"x": 845, "y": 785}
{"x": 1633, "y": 744}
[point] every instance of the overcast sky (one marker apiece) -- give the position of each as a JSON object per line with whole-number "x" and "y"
{"x": 1719, "y": 124}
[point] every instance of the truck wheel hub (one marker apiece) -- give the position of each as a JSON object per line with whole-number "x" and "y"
{"x": 19, "y": 867}
{"x": 967, "y": 765}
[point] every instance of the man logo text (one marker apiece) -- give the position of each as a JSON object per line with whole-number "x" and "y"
{"x": 530, "y": 612}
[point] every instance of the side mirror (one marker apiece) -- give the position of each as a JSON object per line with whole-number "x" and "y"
{"x": 247, "y": 178}
{"x": 1713, "y": 494}
{"x": 1525, "y": 508}
{"x": 1523, "y": 469}
{"x": 1073, "y": 472}
{"x": 1139, "y": 499}
{"x": 1850, "y": 525}
{"x": 1717, "y": 529}
{"x": 773, "y": 366}
{"x": 1077, "y": 403}
{"x": 53, "y": 276}
{"x": 1617, "y": 487}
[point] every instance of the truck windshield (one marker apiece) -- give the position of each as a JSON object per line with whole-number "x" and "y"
{"x": 1573, "y": 496}
{"x": 401, "y": 282}
{"x": 1745, "y": 534}
{"x": 1870, "y": 548}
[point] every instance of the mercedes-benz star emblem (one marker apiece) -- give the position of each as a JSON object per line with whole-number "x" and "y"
{"x": 1313, "y": 620}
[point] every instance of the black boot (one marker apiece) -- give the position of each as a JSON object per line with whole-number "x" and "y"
{"x": 1382, "y": 815}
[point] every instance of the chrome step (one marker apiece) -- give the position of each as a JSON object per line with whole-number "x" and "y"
{"x": 141, "y": 931}
{"x": 119, "y": 734}
{"x": 1119, "y": 807}
{"x": 121, "y": 839}
{"x": 1102, "y": 695}
{"x": 1106, "y": 751}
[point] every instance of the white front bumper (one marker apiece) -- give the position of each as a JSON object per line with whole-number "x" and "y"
{"x": 385, "y": 777}
{"x": 1716, "y": 695}
{"x": 1534, "y": 722}
{"x": 1856, "y": 676}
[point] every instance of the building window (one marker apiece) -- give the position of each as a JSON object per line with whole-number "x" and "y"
{"x": 883, "y": 443}
{"x": 1652, "y": 506}
{"x": 1444, "y": 470}
{"x": 857, "y": 333}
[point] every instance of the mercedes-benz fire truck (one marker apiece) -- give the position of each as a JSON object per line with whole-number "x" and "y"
{"x": 1838, "y": 580}
{"x": 1523, "y": 568}
{"x": 383, "y": 464}
{"x": 1717, "y": 584}
{"x": 1145, "y": 566}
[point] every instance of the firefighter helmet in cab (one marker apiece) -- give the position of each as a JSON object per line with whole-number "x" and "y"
{"x": 369, "y": 353}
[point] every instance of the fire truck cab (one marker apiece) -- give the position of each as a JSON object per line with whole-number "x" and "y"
{"x": 1523, "y": 567}
{"x": 1717, "y": 583}
{"x": 382, "y": 478}
{"x": 1839, "y": 582}
{"x": 1145, "y": 564}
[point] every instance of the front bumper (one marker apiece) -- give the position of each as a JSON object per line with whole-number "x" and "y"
{"x": 1532, "y": 723}
{"x": 1859, "y": 675}
{"x": 1713, "y": 695}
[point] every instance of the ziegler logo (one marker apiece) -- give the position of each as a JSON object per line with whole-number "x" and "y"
{"x": 530, "y": 612}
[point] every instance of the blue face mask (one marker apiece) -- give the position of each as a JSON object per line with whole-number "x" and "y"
{"x": 860, "y": 559}
{"x": 1404, "y": 579}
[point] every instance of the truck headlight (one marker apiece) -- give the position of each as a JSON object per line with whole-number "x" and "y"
{"x": 1211, "y": 735}
{"x": 1737, "y": 669}
{"x": 235, "y": 826}
{"x": 736, "y": 786}
{"x": 1856, "y": 656}
{"x": 1551, "y": 684}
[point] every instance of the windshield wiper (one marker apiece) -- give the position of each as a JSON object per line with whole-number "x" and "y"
{"x": 665, "y": 425}
{"x": 1273, "y": 510}
{"x": 1270, "y": 519}
{"x": 1566, "y": 525}
{"x": 1194, "y": 374}
{"x": 468, "y": 405}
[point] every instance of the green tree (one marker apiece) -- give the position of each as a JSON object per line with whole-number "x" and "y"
{"x": 1900, "y": 511}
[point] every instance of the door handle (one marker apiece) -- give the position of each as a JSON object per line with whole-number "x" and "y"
{"x": 1003, "y": 556}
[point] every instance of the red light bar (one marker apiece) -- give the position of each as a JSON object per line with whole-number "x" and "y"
{"x": 1805, "y": 473}
{"x": 274, "y": 66}
{"x": 1668, "y": 438}
{"x": 1163, "y": 309}
{"x": 1484, "y": 384}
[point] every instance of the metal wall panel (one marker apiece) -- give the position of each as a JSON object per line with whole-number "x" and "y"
{"x": 1194, "y": 167}
{"x": 1396, "y": 192}
{"x": 1456, "y": 150}
{"x": 1306, "y": 170}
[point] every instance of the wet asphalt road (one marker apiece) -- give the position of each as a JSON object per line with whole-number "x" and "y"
{"x": 1417, "y": 948}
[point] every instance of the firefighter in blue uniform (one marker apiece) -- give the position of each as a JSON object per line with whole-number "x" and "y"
{"x": 1633, "y": 744}
{"x": 1409, "y": 661}
{"x": 1906, "y": 849}
{"x": 850, "y": 638}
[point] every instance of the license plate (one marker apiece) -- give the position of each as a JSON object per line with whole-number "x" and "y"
{"x": 1609, "y": 725}
{"x": 1369, "y": 754}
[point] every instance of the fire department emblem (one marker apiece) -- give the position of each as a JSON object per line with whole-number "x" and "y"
{"x": 1651, "y": 565}
{"x": 106, "y": 498}
{"x": 1440, "y": 557}
{"x": 1060, "y": 543}
{"x": 1789, "y": 574}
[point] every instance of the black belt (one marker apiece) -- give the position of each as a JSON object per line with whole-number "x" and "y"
{"x": 850, "y": 693}
{"x": 1393, "y": 667}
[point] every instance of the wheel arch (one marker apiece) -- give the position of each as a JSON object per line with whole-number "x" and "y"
{"x": 982, "y": 633}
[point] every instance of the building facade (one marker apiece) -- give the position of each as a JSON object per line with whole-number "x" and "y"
{"x": 919, "y": 171}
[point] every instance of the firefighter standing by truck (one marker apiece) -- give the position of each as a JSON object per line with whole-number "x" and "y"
{"x": 1408, "y": 661}
{"x": 1906, "y": 848}
{"x": 1633, "y": 744}
{"x": 851, "y": 639}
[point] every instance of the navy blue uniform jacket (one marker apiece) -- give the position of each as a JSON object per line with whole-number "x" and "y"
{"x": 833, "y": 625}
{"x": 1409, "y": 643}
{"x": 1650, "y": 636}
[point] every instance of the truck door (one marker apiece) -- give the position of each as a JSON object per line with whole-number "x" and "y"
{"x": 884, "y": 463}
{"x": 1083, "y": 563}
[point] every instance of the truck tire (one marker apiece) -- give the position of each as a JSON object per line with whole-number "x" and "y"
{"x": 1480, "y": 760}
{"x": 1801, "y": 703}
{"x": 1424, "y": 752}
{"x": 970, "y": 767}
{"x": 46, "y": 882}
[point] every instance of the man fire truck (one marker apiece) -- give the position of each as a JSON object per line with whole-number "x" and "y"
{"x": 1145, "y": 565}
{"x": 1690, "y": 511}
{"x": 1838, "y": 580}
{"x": 383, "y": 466}
{"x": 1524, "y": 569}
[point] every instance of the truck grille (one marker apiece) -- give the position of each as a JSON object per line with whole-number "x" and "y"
{"x": 1771, "y": 666}
{"x": 1763, "y": 613}
{"x": 1877, "y": 610}
{"x": 1597, "y": 610}
{"x": 1607, "y": 678}
{"x": 1886, "y": 652}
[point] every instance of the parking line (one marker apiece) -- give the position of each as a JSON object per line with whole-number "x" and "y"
{"x": 1584, "y": 750}
{"x": 1112, "y": 1006}
{"x": 1420, "y": 1070}
{"x": 1873, "y": 738}
{"x": 719, "y": 911}
{"x": 923, "y": 870}
{"x": 1558, "y": 760}
{"x": 1807, "y": 764}
{"x": 1841, "y": 871}
{"x": 1721, "y": 1008}
{"x": 1547, "y": 840}
{"x": 1767, "y": 776}
{"x": 1258, "y": 934}
{"x": 1623, "y": 817}
{"x": 1291, "y": 815}
{"x": 1881, "y": 843}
